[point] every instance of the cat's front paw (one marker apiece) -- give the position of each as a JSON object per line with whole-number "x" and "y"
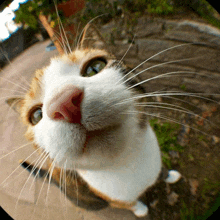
{"x": 173, "y": 176}
{"x": 139, "y": 209}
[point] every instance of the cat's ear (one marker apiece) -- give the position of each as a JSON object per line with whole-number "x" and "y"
{"x": 92, "y": 38}
{"x": 15, "y": 103}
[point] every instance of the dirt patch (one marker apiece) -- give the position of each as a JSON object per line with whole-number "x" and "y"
{"x": 195, "y": 195}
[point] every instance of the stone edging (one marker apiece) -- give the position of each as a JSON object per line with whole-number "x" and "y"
{"x": 154, "y": 35}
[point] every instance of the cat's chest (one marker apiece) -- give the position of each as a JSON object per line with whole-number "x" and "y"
{"x": 138, "y": 171}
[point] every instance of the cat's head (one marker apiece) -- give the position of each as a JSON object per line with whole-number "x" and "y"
{"x": 75, "y": 109}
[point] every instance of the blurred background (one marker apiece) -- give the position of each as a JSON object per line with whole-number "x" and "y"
{"x": 30, "y": 34}
{"x": 20, "y": 25}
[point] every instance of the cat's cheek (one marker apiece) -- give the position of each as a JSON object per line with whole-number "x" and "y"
{"x": 63, "y": 141}
{"x": 104, "y": 107}
{"x": 42, "y": 138}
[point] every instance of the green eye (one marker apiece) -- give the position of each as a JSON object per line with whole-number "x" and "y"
{"x": 36, "y": 115}
{"x": 94, "y": 67}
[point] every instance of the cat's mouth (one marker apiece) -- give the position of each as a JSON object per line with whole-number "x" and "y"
{"x": 89, "y": 136}
{"x": 99, "y": 135}
{"x": 84, "y": 149}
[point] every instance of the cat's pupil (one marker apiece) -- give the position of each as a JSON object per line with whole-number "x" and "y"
{"x": 94, "y": 67}
{"x": 36, "y": 116}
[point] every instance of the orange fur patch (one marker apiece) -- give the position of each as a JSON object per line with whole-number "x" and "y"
{"x": 29, "y": 134}
{"x": 31, "y": 95}
{"x": 113, "y": 203}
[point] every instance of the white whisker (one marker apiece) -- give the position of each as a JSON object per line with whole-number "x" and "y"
{"x": 77, "y": 190}
{"x": 51, "y": 168}
{"x": 18, "y": 168}
{"x": 24, "y": 170}
{"x": 2, "y": 98}
{"x": 60, "y": 39}
{"x": 15, "y": 150}
{"x": 13, "y": 90}
{"x": 18, "y": 73}
{"x": 80, "y": 36}
{"x": 64, "y": 189}
{"x": 170, "y": 48}
{"x": 14, "y": 83}
{"x": 181, "y": 100}
{"x": 160, "y": 76}
{"x": 162, "y": 104}
{"x": 60, "y": 184}
{"x": 45, "y": 178}
{"x": 169, "y": 93}
{"x": 62, "y": 31}
{"x": 196, "y": 95}
{"x": 165, "y": 118}
{"x": 65, "y": 180}
{"x": 24, "y": 186}
{"x": 10, "y": 108}
{"x": 39, "y": 168}
{"x": 160, "y": 64}
{"x": 62, "y": 193}
{"x": 61, "y": 42}
{"x": 75, "y": 41}
{"x": 179, "y": 110}
{"x": 126, "y": 52}
{"x": 50, "y": 177}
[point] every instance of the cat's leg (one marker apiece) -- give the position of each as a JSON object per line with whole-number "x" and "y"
{"x": 139, "y": 209}
{"x": 173, "y": 176}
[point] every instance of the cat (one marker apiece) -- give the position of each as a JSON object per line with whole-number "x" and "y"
{"x": 76, "y": 113}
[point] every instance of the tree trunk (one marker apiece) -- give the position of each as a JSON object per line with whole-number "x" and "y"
{"x": 50, "y": 31}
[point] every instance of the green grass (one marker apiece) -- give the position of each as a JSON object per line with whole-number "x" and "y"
{"x": 210, "y": 186}
{"x": 167, "y": 138}
{"x": 183, "y": 87}
{"x": 187, "y": 213}
{"x": 193, "y": 210}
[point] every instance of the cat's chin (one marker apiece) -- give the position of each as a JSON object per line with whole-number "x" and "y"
{"x": 96, "y": 152}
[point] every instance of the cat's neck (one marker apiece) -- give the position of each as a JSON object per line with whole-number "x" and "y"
{"x": 141, "y": 161}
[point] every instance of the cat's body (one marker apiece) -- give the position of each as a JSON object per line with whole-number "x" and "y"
{"x": 133, "y": 172}
{"x": 141, "y": 163}
{"x": 78, "y": 111}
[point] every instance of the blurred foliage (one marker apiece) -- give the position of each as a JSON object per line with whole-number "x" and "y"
{"x": 161, "y": 7}
{"x": 132, "y": 9}
{"x": 202, "y": 8}
{"x": 28, "y": 12}
{"x": 95, "y": 8}
{"x": 111, "y": 9}
{"x": 107, "y": 9}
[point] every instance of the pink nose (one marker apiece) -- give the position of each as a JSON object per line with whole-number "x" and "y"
{"x": 66, "y": 105}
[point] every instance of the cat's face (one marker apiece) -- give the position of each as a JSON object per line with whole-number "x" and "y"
{"x": 92, "y": 131}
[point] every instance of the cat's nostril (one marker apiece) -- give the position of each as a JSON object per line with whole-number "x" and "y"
{"x": 58, "y": 115}
{"x": 66, "y": 105}
{"x": 75, "y": 101}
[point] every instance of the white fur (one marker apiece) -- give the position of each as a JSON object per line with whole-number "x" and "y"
{"x": 121, "y": 159}
{"x": 140, "y": 210}
{"x": 173, "y": 176}
{"x": 65, "y": 141}
{"x": 135, "y": 171}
